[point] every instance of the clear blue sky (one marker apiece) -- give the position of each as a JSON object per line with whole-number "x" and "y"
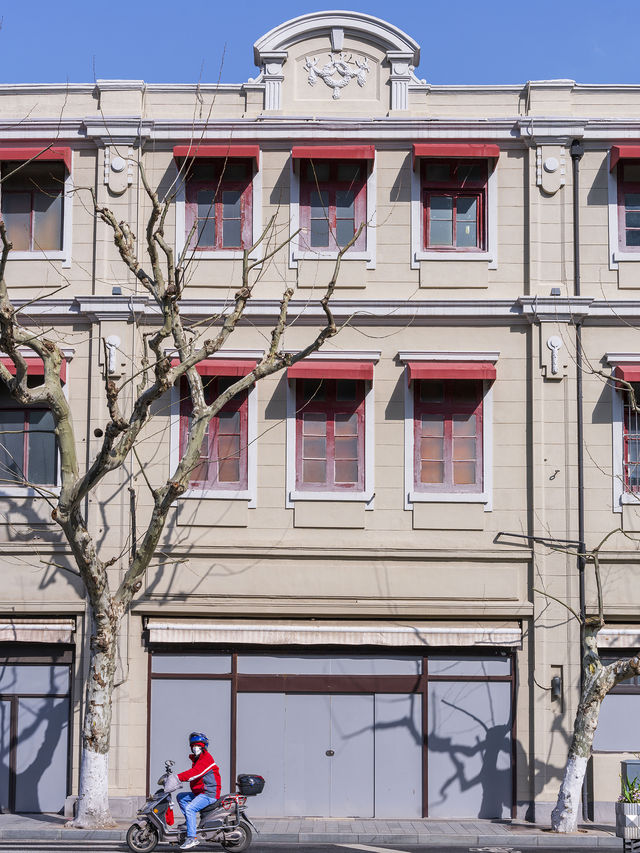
{"x": 500, "y": 41}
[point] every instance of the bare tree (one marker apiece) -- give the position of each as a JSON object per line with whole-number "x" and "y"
{"x": 597, "y": 679}
{"x": 163, "y": 276}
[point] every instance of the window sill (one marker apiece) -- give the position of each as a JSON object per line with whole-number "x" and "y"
{"x": 329, "y": 256}
{"x": 621, "y": 255}
{"x": 435, "y": 255}
{"x": 217, "y": 494}
{"x": 218, "y": 254}
{"x": 450, "y": 497}
{"x": 38, "y": 256}
{"x": 362, "y": 497}
{"x": 29, "y": 492}
{"x": 632, "y": 498}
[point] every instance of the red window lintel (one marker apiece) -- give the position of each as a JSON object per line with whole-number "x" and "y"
{"x": 35, "y": 367}
{"x": 218, "y": 151}
{"x": 333, "y": 152}
{"x": 455, "y": 150}
{"x": 222, "y": 366}
{"x": 451, "y": 370}
{"x": 37, "y": 153}
{"x": 319, "y": 369}
{"x": 623, "y": 152}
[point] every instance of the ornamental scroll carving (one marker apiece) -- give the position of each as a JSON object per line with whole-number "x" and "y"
{"x": 338, "y": 72}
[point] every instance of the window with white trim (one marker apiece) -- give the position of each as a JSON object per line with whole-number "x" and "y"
{"x": 449, "y": 428}
{"x": 28, "y": 444}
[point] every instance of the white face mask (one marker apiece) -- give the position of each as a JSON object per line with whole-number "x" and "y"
{"x": 197, "y": 750}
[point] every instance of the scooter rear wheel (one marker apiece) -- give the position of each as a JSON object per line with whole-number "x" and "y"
{"x": 243, "y": 842}
{"x": 142, "y": 839}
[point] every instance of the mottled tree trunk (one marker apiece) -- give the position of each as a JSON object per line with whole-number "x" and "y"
{"x": 93, "y": 790}
{"x": 564, "y": 817}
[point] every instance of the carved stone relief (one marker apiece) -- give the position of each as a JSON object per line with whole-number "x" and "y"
{"x": 338, "y": 72}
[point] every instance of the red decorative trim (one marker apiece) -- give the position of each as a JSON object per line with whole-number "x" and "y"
{"x": 35, "y": 367}
{"x": 623, "y": 152}
{"x": 317, "y": 369}
{"x": 38, "y": 153}
{"x": 221, "y": 367}
{"x": 451, "y": 370}
{"x": 218, "y": 151}
{"x": 455, "y": 150}
{"x": 333, "y": 152}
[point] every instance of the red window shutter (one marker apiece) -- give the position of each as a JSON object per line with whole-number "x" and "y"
{"x": 451, "y": 370}
{"x": 457, "y": 150}
{"x": 35, "y": 367}
{"x": 217, "y": 151}
{"x": 319, "y": 369}
{"x": 37, "y": 152}
{"x": 623, "y": 152}
{"x": 333, "y": 152}
{"x": 222, "y": 366}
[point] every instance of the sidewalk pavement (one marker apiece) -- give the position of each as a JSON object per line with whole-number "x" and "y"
{"x": 347, "y": 831}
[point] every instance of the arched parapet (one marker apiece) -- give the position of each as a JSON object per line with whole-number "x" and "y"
{"x": 349, "y": 61}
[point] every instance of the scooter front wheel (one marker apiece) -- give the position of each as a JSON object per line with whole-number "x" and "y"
{"x": 142, "y": 839}
{"x": 242, "y": 840}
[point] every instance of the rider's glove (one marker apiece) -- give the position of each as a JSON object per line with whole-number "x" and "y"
{"x": 172, "y": 783}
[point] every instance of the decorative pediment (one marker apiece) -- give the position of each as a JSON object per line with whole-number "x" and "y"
{"x": 336, "y": 56}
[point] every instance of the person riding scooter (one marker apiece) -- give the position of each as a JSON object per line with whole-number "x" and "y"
{"x": 204, "y": 778}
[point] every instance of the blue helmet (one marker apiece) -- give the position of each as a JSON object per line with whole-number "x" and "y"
{"x": 198, "y": 737}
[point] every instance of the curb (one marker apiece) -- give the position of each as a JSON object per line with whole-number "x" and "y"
{"x": 516, "y": 840}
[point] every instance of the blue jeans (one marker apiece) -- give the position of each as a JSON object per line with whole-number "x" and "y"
{"x": 191, "y": 804}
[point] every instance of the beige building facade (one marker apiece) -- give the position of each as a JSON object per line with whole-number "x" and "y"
{"x": 353, "y": 585}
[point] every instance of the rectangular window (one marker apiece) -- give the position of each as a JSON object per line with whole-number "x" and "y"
{"x": 454, "y": 203}
{"x": 631, "y": 441}
{"x": 333, "y": 203}
{"x": 330, "y": 434}
{"x": 28, "y": 449}
{"x": 629, "y": 205}
{"x": 32, "y": 204}
{"x": 448, "y": 435}
{"x": 219, "y": 203}
{"x": 223, "y": 454}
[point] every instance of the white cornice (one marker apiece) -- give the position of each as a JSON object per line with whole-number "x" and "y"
{"x": 447, "y": 355}
{"x": 376, "y": 312}
{"x": 341, "y": 355}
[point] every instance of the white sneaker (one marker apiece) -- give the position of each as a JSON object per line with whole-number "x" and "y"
{"x": 188, "y": 843}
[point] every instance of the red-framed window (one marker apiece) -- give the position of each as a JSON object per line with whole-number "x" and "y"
{"x": 454, "y": 204}
{"x": 28, "y": 446}
{"x": 448, "y": 435}
{"x": 330, "y": 434}
{"x": 333, "y": 203}
{"x": 629, "y": 204}
{"x": 223, "y": 454}
{"x": 31, "y": 200}
{"x": 631, "y": 443}
{"x": 219, "y": 201}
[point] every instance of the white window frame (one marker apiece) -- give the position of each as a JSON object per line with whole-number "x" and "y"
{"x": 250, "y": 494}
{"x": 418, "y": 253}
{"x": 297, "y": 253}
{"x": 615, "y": 252}
{"x": 63, "y": 254}
{"x": 365, "y": 495}
{"x": 412, "y": 495}
{"x": 219, "y": 254}
{"x": 29, "y": 491}
{"x": 619, "y": 495}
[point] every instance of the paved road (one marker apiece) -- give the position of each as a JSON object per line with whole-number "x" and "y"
{"x": 259, "y": 847}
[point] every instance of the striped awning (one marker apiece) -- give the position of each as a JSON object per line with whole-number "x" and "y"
{"x": 36, "y": 630}
{"x": 290, "y": 632}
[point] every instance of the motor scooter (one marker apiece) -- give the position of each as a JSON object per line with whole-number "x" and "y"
{"x": 224, "y": 822}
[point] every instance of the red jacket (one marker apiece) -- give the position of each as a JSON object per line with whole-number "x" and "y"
{"x": 204, "y": 776}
